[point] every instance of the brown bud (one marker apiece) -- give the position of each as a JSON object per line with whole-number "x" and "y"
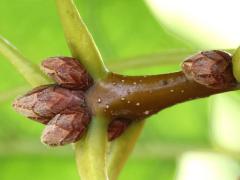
{"x": 66, "y": 127}
{"x": 117, "y": 127}
{"x": 44, "y": 102}
{"x": 67, "y": 72}
{"x": 212, "y": 69}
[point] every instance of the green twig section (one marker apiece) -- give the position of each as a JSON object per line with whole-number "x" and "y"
{"x": 79, "y": 39}
{"x": 236, "y": 64}
{"x": 121, "y": 148}
{"x": 28, "y": 70}
{"x": 91, "y": 151}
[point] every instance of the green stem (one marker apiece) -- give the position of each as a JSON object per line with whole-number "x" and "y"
{"x": 91, "y": 151}
{"x": 28, "y": 70}
{"x": 121, "y": 148}
{"x": 236, "y": 64}
{"x": 79, "y": 39}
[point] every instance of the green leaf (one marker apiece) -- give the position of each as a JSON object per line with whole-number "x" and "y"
{"x": 28, "y": 70}
{"x": 79, "y": 39}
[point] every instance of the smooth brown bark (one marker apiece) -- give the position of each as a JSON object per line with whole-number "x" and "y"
{"x": 137, "y": 97}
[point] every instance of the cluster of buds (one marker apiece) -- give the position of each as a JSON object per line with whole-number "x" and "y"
{"x": 61, "y": 107}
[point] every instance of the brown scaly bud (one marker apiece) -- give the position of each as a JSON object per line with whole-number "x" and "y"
{"x": 44, "y": 102}
{"x": 67, "y": 72}
{"x": 117, "y": 127}
{"x": 212, "y": 69}
{"x": 66, "y": 127}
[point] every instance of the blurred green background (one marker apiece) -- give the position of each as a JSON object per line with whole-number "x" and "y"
{"x": 132, "y": 41}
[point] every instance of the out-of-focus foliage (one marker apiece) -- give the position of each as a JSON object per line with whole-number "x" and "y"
{"x": 207, "y": 165}
{"x": 122, "y": 29}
